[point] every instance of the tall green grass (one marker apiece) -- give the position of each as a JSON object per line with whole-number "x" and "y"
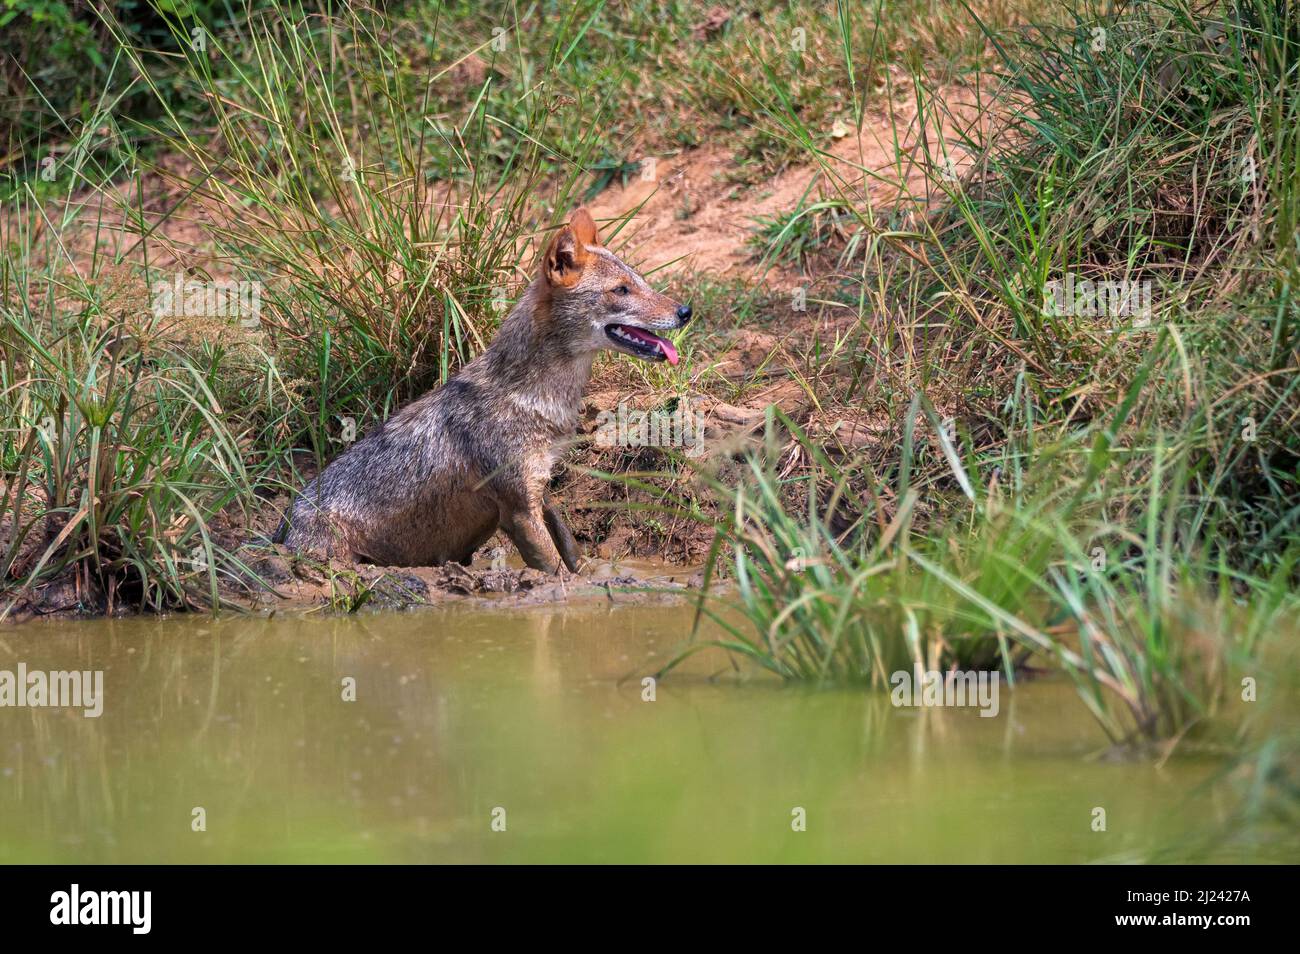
{"x": 115, "y": 449}
{"x": 843, "y": 577}
{"x": 1094, "y": 493}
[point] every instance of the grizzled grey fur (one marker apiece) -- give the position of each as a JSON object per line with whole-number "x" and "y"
{"x": 439, "y": 477}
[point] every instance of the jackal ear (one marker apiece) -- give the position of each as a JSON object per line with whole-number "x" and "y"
{"x": 565, "y": 259}
{"x": 584, "y": 227}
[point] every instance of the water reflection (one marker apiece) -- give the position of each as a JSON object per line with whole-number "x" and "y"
{"x": 460, "y": 711}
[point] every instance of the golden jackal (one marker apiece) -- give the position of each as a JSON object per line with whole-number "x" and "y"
{"x": 436, "y": 480}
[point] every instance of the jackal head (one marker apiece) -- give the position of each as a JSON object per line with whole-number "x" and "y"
{"x": 598, "y": 302}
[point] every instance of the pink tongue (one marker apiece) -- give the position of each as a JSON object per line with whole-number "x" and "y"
{"x": 663, "y": 344}
{"x": 669, "y": 351}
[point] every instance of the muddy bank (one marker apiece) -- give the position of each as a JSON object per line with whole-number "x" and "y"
{"x": 288, "y": 583}
{"x": 492, "y": 578}
{"x": 616, "y": 498}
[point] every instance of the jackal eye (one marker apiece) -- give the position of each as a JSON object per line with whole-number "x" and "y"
{"x": 622, "y": 290}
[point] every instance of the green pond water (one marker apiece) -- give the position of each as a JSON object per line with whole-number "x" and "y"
{"x": 535, "y": 717}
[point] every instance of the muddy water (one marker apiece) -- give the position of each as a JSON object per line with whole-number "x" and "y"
{"x": 462, "y": 712}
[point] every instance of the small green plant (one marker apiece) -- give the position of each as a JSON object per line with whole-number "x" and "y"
{"x": 796, "y": 237}
{"x": 348, "y": 591}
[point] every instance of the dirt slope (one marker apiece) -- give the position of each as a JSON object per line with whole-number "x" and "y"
{"x": 693, "y": 216}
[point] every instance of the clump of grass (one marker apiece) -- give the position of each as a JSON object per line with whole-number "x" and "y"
{"x": 797, "y": 236}
{"x": 1088, "y": 177}
{"x": 117, "y": 456}
{"x": 843, "y": 578}
{"x": 382, "y": 180}
{"x": 1102, "y": 498}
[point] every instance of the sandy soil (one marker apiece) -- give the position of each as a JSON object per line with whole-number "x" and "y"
{"x": 693, "y": 217}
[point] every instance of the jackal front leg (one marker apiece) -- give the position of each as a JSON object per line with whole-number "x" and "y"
{"x": 527, "y": 529}
{"x": 561, "y": 535}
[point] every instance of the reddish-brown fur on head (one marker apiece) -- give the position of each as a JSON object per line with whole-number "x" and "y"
{"x": 598, "y": 302}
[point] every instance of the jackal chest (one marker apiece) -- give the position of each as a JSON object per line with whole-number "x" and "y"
{"x": 539, "y": 466}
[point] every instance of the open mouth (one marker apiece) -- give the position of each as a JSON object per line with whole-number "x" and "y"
{"x": 642, "y": 343}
